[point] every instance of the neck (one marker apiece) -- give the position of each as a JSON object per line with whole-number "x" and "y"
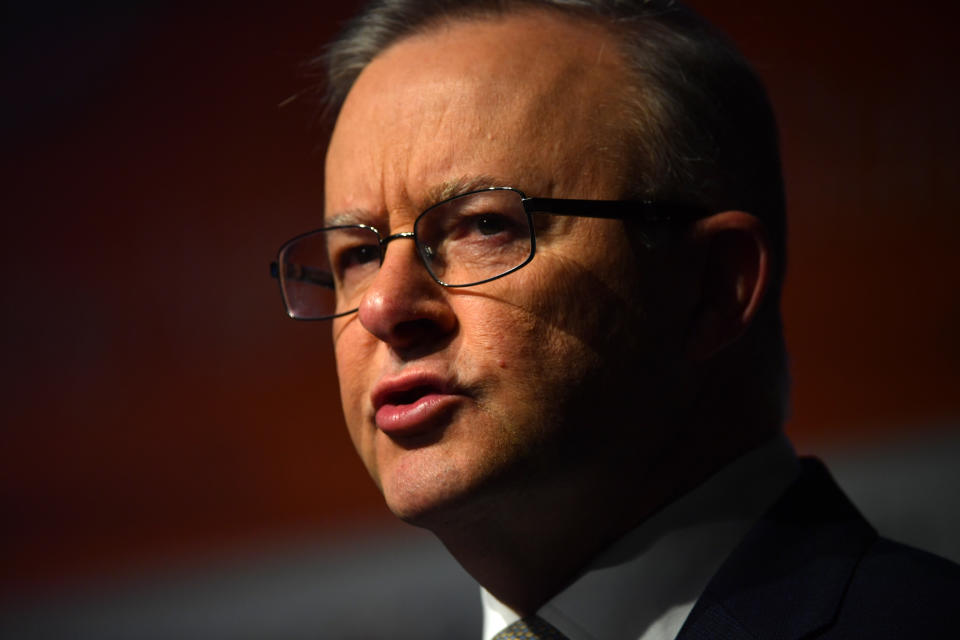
{"x": 525, "y": 545}
{"x": 534, "y": 530}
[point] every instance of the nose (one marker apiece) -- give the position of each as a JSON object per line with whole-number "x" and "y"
{"x": 404, "y": 307}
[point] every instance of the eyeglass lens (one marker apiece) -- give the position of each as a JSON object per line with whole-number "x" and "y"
{"x": 462, "y": 241}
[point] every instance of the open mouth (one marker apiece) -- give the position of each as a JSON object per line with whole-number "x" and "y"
{"x": 409, "y": 396}
{"x": 412, "y": 406}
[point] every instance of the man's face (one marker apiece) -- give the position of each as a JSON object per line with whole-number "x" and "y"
{"x": 470, "y": 397}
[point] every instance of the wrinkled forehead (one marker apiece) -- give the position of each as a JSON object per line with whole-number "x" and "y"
{"x": 515, "y": 92}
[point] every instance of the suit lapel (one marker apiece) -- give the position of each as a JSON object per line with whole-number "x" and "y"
{"x": 786, "y": 579}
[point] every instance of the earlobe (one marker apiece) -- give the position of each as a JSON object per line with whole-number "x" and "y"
{"x": 733, "y": 280}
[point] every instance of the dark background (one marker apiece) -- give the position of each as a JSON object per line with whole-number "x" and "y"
{"x": 160, "y": 410}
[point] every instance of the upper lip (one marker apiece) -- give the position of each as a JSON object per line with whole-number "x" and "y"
{"x": 406, "y": 388}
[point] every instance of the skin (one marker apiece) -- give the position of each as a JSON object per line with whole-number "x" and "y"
{"x": 572, "y": 374}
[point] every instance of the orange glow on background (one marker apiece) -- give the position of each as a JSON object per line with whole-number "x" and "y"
{"x": 158, "y": 405}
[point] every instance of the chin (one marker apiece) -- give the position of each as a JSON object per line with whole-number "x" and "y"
{"x": 431, "y": 487}
{"x": 427, "y": 507}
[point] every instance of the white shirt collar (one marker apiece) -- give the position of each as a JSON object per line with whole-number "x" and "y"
{"x": 644, "y": 586}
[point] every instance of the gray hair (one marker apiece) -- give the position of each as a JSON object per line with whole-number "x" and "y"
{"x": 702, "y": 130}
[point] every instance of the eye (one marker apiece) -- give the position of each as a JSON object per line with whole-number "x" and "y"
{"x": 358, "y": 255}
{"x": 351, "y": 259}
{"x": 489, "y": 224}
{"x": 311, "y": 275}
{"x": 484, "y": 226}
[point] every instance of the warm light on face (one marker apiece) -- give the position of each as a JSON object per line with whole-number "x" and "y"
{"x": 448, "y": 392}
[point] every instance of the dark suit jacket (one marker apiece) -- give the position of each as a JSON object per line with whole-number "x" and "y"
{"x": 814, "y": 568}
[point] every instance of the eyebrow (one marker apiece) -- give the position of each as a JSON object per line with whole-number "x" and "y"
{"x": 438, "y": 193}
{"x": 348, "y": 217}
{"x": 464, "y": 184}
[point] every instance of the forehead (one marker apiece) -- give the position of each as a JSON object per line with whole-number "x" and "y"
{"x": 532, "y": 100}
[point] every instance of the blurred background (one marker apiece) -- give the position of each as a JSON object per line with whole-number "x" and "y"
{"x": 173, "y": 458}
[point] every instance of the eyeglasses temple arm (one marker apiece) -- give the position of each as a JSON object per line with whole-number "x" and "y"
{"x": 616, "y": 209}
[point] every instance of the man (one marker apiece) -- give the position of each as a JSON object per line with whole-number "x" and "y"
{"x": 552, "y": 252}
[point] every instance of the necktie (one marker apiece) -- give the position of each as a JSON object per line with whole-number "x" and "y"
{"x": 532, "y": 628}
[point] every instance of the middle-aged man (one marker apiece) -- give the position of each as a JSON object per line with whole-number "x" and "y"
{"x": 552, "y": 253}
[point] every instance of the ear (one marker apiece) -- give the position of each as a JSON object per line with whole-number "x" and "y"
{"x": 735, "y": 259}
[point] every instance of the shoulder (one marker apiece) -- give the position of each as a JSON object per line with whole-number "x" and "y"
{"x": 812, "y": 567}
{"x": 908, "y": 565}
{"x": 898, "y": 591}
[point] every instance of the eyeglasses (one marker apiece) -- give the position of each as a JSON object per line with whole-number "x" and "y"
{"x": 463, "y": 241}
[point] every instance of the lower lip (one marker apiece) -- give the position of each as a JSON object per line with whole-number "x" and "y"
{"x": 415, "y": 418}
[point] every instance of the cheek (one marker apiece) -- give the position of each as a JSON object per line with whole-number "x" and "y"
{"x": 523, "y": 340}
{"x": 354, "y": 360}
{"x": 353, "y": 371}
{"x": 509, "y": 346}
{"x": 573, "y": 309}
{"x": 568, "y": 335}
